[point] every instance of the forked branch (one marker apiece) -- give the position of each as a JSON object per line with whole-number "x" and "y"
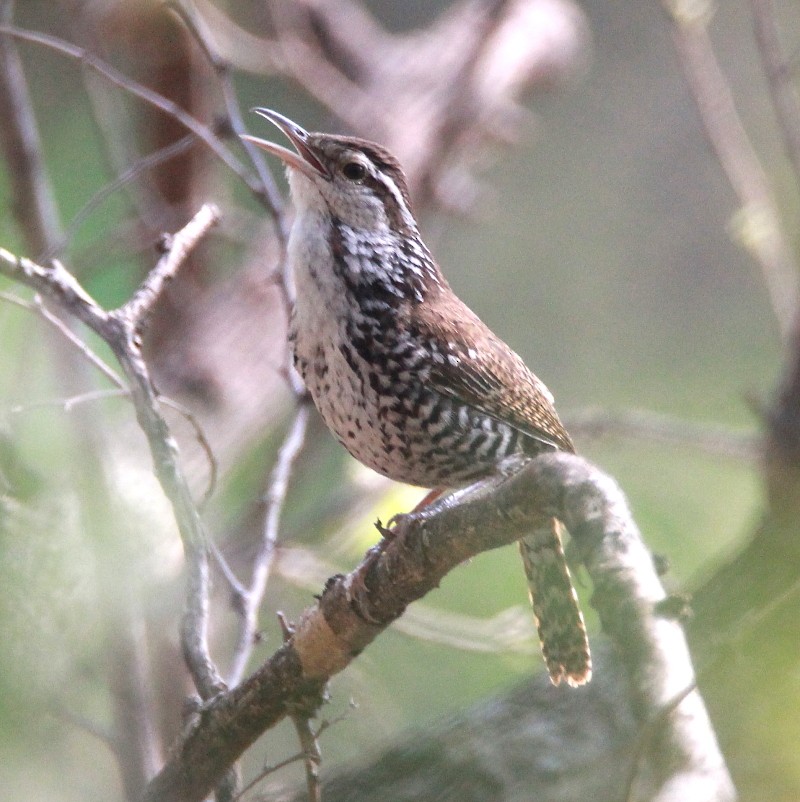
{"x": 680, "y": 751}
{"x": 120, "y": 328}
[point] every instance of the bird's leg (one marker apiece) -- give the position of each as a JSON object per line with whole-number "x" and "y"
{"x": 434, "y": 502}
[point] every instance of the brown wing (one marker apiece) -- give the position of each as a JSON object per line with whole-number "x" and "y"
{"x": 479, "y": 369}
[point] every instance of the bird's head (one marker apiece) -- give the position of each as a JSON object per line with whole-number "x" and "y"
{"x": 354, "y": 180}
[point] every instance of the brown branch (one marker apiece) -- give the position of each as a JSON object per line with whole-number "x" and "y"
{"x": 354, "y": 609}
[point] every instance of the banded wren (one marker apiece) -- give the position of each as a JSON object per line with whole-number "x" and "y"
{"x": 406, "y": 376}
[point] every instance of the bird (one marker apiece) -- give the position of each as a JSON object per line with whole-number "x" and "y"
{"x": 407, "y": 377}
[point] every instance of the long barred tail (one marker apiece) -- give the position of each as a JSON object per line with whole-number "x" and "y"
{"x": 562, "y": 632}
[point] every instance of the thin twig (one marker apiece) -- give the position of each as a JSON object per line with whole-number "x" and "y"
{"x": 312, "y": 758}
{"x": 296, "y": 758}
{"x": 274, "y": 499}
{"x": 198, "y": 27}
{"x": 132, "y": 172}
{"x": 102, "y": 733}
{"x": 648, "y": 733}
{"x": 203, "y": 442}
{"x": 34, "y": 204}
{"x": 708, "y": 438}
{"x": 119, "y": 328}
{"x": 67, "y": 404}
{"x": 81, "y": 346}
{"x": 38, "y": 307}
{"x": 779, "y": 78}
{"x": 110, "y": 73}
{"x": 141, "y": 304}
{"x": 122, "y": 388}
{"x": 744, "y": 626}
{"x": 266, "y": 771}
{"x": 758, "y": 227}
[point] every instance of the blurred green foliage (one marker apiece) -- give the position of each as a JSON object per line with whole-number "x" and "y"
{"x": 603, "y": 259}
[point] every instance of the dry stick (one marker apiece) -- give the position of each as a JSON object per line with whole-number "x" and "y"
{"x": 120, "y": 329}
{"x": 649, "y": 730}
{"x": 354, "y": 609}
{"x": 122, "y": 388}
{"x": 266, "y": 771}
{"x": 33, "y": 196}
{"x": 203, "y": 132}
{"x": 652, "y": 426}
{"x": 138, "y": 167}
{"x": 760, "y": 229}
{"x": 249, "y": 599}
{"x": 67, "y": 404}
{"x": 82, "y": 347}
{"x": 222, "y": 68}
{"x": 311, "y": 755}
{"x": 312, "y": 68}
{"x": 202, "y": 441}
{"x": 196, "y": 24}
{"x": 779, "y": 78}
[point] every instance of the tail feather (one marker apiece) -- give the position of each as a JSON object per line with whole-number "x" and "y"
{"x": 559, "y": 620}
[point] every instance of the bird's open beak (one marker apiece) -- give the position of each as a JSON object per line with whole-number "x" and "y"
{"x": 304, "y": 159}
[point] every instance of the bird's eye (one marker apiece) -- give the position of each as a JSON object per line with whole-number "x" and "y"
{"x": 354, "y": 171}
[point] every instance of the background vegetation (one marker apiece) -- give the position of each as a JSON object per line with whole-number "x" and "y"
{"x": 593, "y": 229}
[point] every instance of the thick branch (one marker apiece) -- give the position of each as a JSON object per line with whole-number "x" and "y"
{"x": 354, "y": 609}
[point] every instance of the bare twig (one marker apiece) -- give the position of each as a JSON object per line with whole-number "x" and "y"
{"x": 758, "y": 223}
{"x": 139, "y": 307}
{"x": 203, "y": 442}
{"x": 34, "y": 202}
{"x": 709, "y": 438}
{"x": 274, "y": 499}
{"x": 197, "y": 25}
{"x": 353, "y": 610}
{"x": 109, "y": 372}
{"x": 779, "y": 77}
{"x": 103, "y": 734}
{"x": 36, "y": 306}
{"x": 311, "y": 755}
{"x": 140, "y": 166}
{"x": 67, "y": 404}
{"x": 202, "y": 132}
{"x": 266, "y": 771}
{"x": 81, "y": 346}
{"x": 644, "y": 741}
{"x": 120, "y": 329}
{"x": 296, "y": 758}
